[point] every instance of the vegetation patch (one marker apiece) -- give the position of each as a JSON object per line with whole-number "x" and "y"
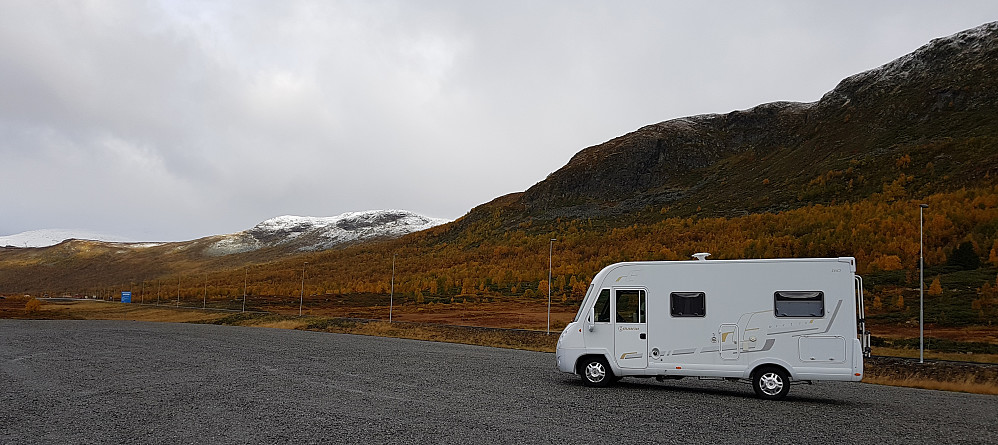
{"x": 937, "y": 345}
{"x": 940, "y": 375}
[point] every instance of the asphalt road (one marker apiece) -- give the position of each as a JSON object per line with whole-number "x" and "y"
{"x": 114, "y": 382}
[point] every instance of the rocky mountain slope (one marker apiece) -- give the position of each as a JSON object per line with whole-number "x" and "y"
{"x": 931, "y": 115}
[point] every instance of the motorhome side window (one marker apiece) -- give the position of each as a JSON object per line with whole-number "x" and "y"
{"x": 602, "y": 307}
{"x": 688, "y": 304}
{"x": 800, "y": 303}
{"x": 630, "y": 306}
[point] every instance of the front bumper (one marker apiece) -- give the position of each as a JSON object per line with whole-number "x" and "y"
{"x": 567, "y": 357}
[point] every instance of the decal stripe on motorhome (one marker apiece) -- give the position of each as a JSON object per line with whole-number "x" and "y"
{"x": 769, "y": 345}
{"x": 832, "y": 320}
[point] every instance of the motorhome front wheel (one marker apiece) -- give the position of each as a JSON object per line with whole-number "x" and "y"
{"x": 595, "y": 372}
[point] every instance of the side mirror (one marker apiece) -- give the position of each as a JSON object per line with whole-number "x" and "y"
{"x": 589, "y": 321}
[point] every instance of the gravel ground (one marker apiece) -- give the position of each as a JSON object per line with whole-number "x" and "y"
{"x": 113, "y": 381}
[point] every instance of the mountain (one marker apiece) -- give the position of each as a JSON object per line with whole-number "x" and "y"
{"x": 51, "y": 237}
{"x": 932, "y": 111}
{"x": 75, "y": 264}
{"x": 304, "y": 233}
{"x": 298, "y": 233}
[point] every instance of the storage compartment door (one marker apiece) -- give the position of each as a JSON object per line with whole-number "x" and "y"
{"x": 822, "y": 349}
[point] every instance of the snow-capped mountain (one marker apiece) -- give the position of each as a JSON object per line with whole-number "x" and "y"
{"x": 306, "y": 233}
{"x": 51, "y": 237}
{"x": 302, "y": 233}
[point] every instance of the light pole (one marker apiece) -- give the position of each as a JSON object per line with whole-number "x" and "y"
{"x": 204, "y": 298}
{"x": 391, "y": 297}
{"x": 550, "y": 251}
{"x": 178, "y": 290}
{"x": 245, "y": 280}
{"x": 921, "y": 284}
{"x": 301, "y": 301}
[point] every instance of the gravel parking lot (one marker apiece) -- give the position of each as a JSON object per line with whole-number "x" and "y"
{"x": 113, "y": 381}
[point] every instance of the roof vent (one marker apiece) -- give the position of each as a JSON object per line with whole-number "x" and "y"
{"x": 702, "y": 256}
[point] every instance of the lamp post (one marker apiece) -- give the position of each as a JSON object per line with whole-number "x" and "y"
{"x": 550, "y": 251}
{"x": 391, "y": 296}
{"x": 245, "y": 281}
{"x": 921, "y": 284}
{"x": 301, "y": 300}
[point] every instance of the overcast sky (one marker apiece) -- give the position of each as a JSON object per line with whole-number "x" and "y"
{"x": 173, "y": 120}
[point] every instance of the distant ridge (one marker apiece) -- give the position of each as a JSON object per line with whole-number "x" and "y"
{"x": 307, "y": 233}
{"x": 295, "y": 233}
{"x": 51, "y": 237}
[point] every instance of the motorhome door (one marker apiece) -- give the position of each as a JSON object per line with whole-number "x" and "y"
{"x": 728, "y": 346}
{"x": 630, "y": 328}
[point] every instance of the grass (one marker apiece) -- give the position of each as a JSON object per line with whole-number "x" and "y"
{"x": 494, "y": 337}
{"x": 940, "y": 375}
{"x": 936, "y": 355}
{"x": 967, "y": 384}
{"x": 101, "y": 310}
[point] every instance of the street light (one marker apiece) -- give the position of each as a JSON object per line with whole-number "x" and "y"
{"x": 550, "y": 250}
{"x": 921, "y": 285}
{"x": 245, "y": 281}
{"x": 204, "y": 298}
{"x": 391, "y": 297}
{"x": 301, "y": 301}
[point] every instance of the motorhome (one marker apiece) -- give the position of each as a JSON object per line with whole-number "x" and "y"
{"x": 770, "y": 322}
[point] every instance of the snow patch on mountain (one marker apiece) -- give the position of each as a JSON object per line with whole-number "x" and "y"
{"x": 916, "y": 64}
{"x": 308, "y": 233}
{"x": 51, "y": 237}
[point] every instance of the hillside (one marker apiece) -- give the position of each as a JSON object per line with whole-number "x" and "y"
{"x": 931, "y": 111}
{"x": 81, "y": 266}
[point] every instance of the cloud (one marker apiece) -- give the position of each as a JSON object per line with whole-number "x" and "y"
{"x": 174, "y": 120}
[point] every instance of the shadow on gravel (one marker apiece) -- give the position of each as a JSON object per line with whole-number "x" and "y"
{"x": 723, "y": 389}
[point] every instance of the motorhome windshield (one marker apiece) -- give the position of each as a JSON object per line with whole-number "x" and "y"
{"x": 579, "y": 314}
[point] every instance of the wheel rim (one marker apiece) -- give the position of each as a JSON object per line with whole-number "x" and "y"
{"x": 771, "y": 383}
{"x": 595, "y": 372}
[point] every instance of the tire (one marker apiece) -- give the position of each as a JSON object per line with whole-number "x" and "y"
{"x": 771, "y": 383}
{"x": 595, "y": 372}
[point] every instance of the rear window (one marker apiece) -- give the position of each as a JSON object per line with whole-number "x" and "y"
{"x": 808, "y": 304}
{"x": 688, "y": 304}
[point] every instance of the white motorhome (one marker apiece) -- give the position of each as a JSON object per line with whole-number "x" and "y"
{"x": 771, "y": 322}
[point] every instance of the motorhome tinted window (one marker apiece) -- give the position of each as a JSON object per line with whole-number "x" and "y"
{"x": 630, "y": 306}
{"x": 688, "y": 304}
{"x": 800, "y": 304}
{"x": 602, "y": 307}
